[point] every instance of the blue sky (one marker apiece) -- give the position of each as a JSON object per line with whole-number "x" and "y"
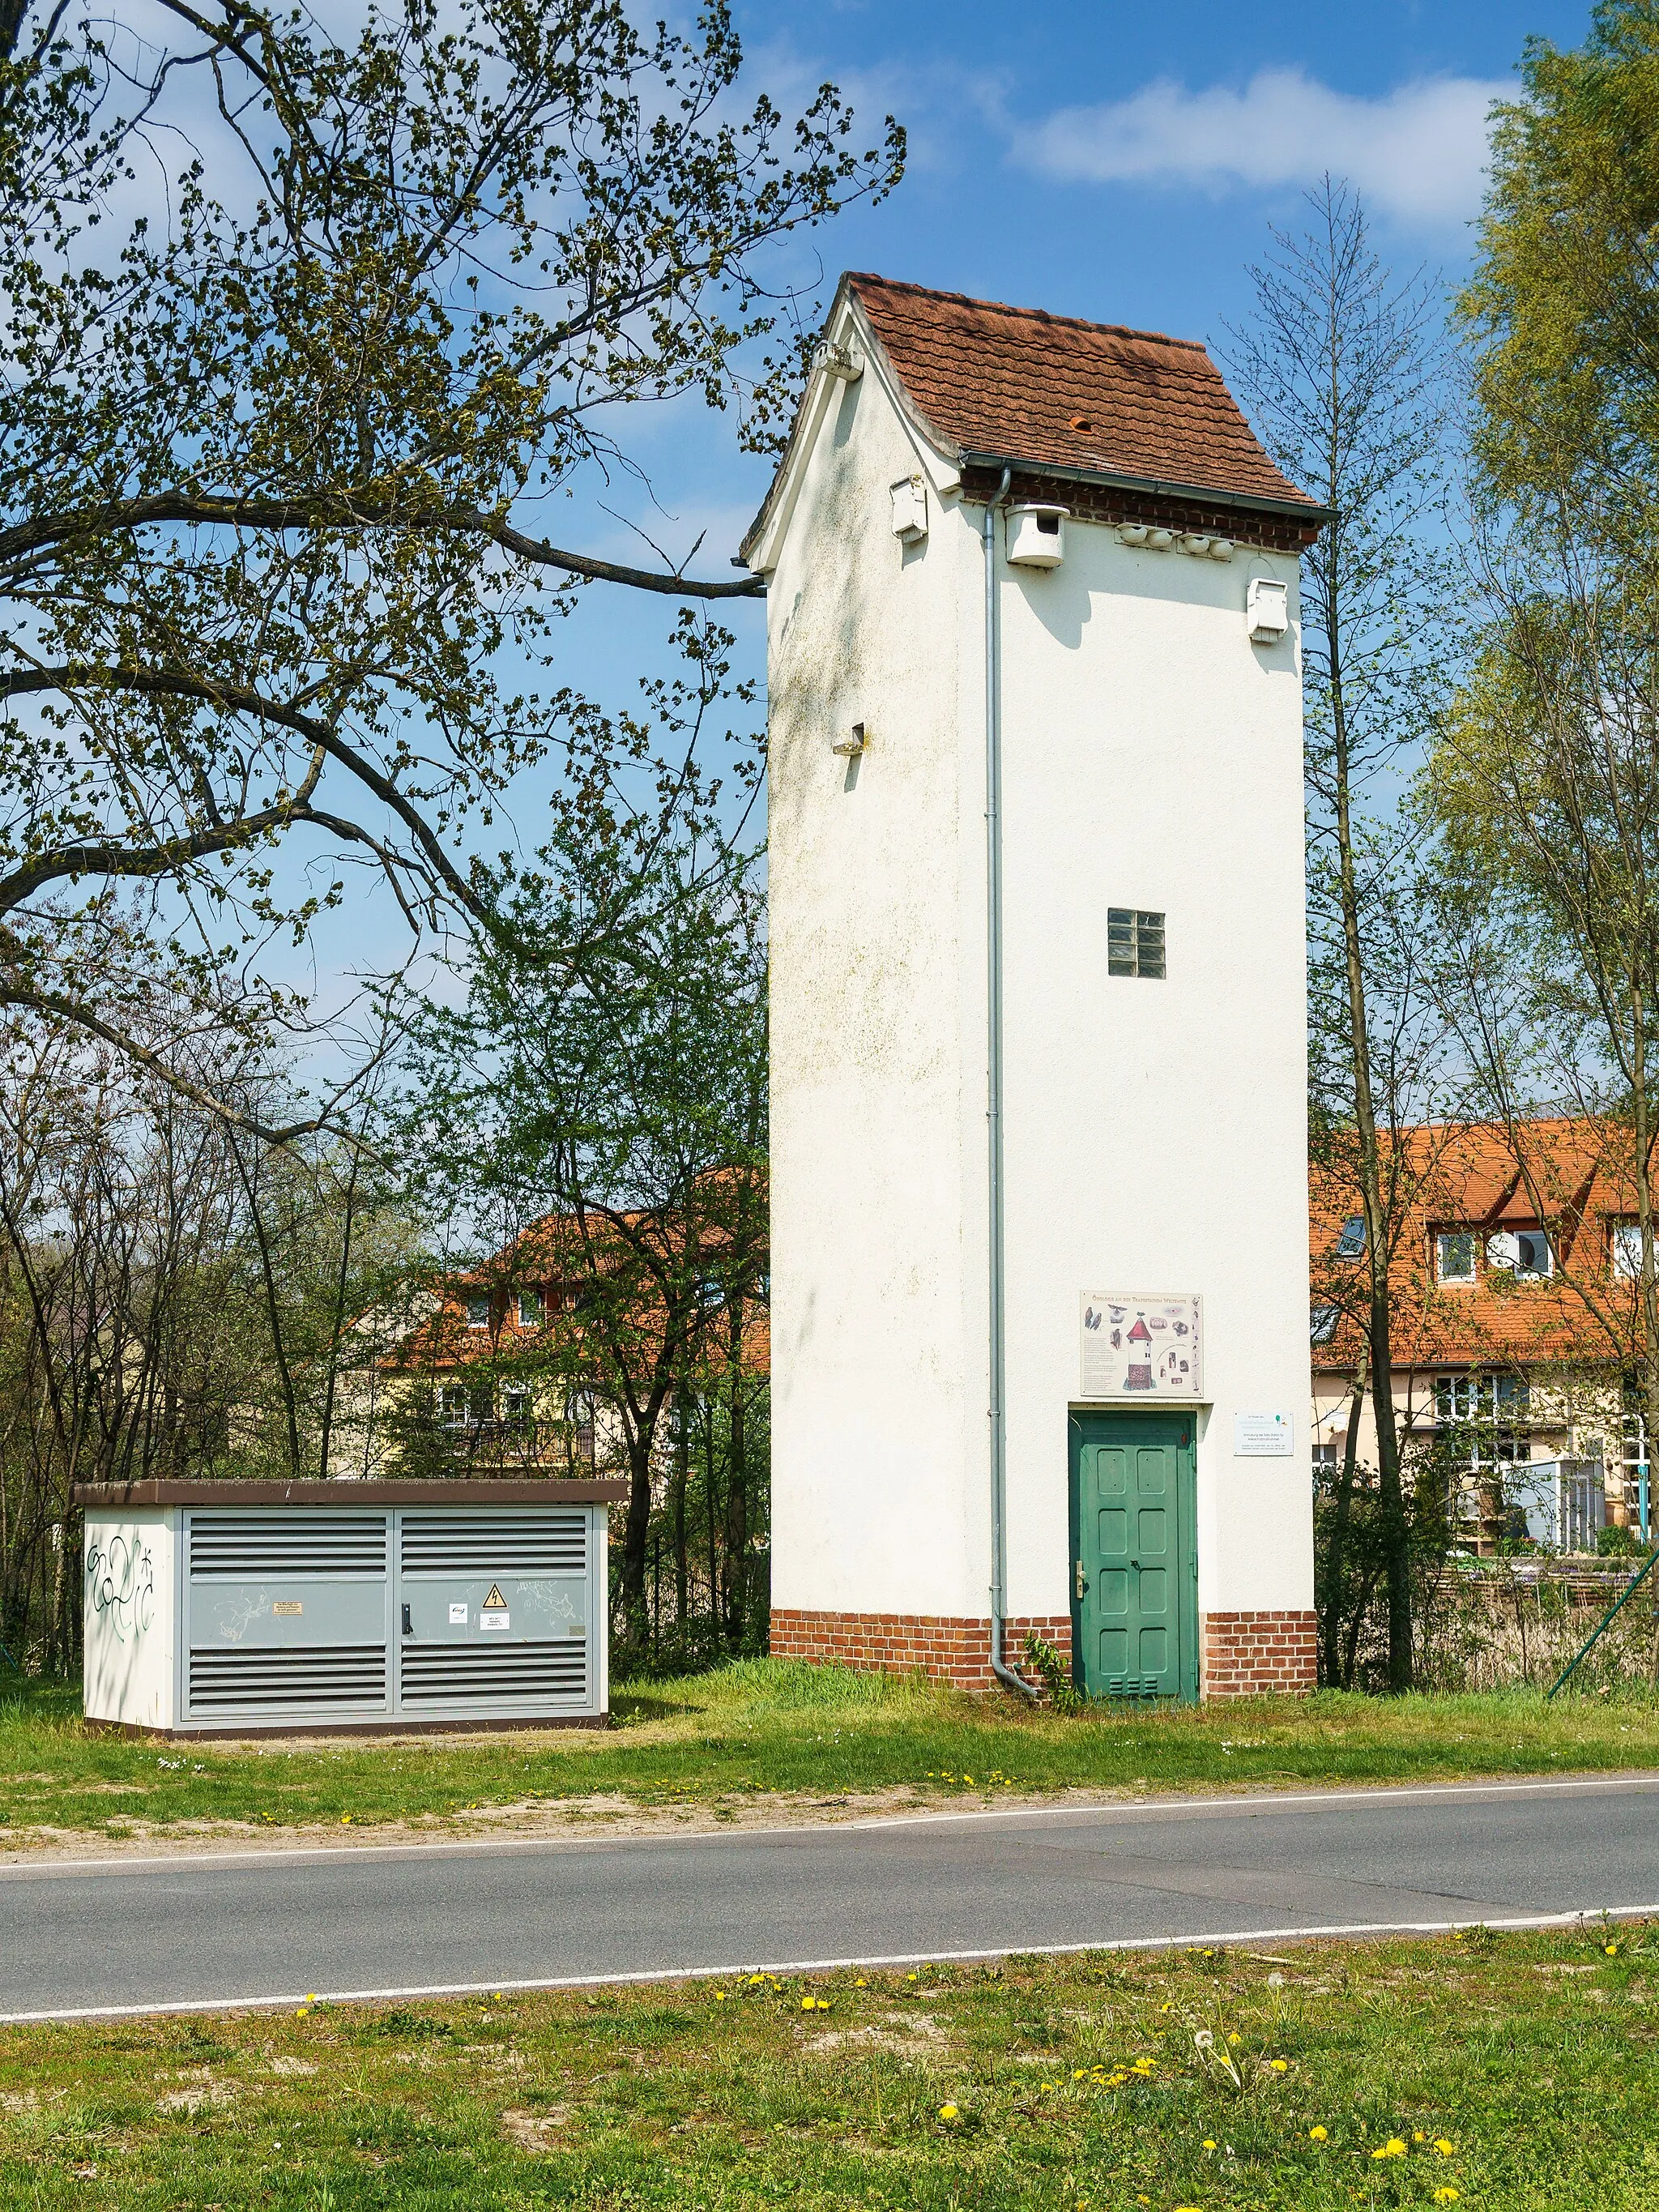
{"x": 1123, "y": 163}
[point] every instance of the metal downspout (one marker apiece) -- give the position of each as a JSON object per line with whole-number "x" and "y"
{"x": 1004, "y": 1673}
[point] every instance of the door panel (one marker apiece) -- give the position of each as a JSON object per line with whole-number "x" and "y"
{"x": 1134, "y": 1625}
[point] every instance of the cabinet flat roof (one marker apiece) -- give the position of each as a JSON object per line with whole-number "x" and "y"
{"x": 459, "y": 1490}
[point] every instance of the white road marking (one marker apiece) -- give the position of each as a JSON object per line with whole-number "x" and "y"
{"x": 430, "y": 1990}
{"x": 1253, "y": 1802}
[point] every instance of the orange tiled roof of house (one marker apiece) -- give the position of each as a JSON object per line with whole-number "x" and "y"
{"x": 1053, "y": 390}
{"x": 550, "y": 1258}
{"x": 1576, "y": 1186}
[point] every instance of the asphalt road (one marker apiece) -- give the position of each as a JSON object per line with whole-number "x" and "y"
{"x": 254, "y": 1927}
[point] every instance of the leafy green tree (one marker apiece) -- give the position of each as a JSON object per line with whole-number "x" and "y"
{"x": 604, "y": 1131}
{"x": 1546, "y": 779}
{"x": 280, "y": 450}
{"x": 1341, "y": 372}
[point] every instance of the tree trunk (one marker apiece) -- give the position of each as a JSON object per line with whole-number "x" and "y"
{"x": 637, "y": 1528}
{"x": 736, "y": 1497}
{"x": 677, "y": 1508}
{"x": 1330, "y": 1628}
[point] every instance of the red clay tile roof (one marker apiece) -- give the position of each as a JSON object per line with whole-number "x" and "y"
{"x": 1053, "y": 391}
{"x": 1578, "y": 1186}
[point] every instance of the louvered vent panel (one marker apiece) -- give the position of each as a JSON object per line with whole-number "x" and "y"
{"x": 337, "y": 1674}
{"x": 249, "y": 1545}
{"x": 440, "y": 1674}
{"x": 494, "y": 1544}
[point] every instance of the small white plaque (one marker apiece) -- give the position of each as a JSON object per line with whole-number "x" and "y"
{"x": 1262, "y": 1436}
{"x": 490, "y": 1618}
{"x": 458, "y": 1616}
{"x": 1141, "y": 1346}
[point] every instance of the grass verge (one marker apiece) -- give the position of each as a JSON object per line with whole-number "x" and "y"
{"x": 1490, "y": 2071}
{"x": 816, "y": 1734}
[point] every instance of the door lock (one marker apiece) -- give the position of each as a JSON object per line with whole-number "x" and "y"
{"x": 1082, "y": 1583}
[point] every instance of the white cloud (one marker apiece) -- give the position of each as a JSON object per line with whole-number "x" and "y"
{"x": 1417, "y": 153}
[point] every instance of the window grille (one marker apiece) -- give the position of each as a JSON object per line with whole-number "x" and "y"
{"x": 1134, "y": 942}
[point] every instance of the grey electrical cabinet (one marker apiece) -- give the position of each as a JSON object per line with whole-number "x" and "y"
{"x": 243, "y": 1607}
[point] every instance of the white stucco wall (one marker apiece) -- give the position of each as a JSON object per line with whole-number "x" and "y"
{"x": 877, "y": 1250}
{"x": 131, "y": 1616}
{"x": 1155, "y": 1131}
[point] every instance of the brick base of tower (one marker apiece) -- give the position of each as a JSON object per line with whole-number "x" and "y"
{"x": 948, "y": 1648}
{"x": 1240, "y": 1655}
{"x": 1258, "y": 1655}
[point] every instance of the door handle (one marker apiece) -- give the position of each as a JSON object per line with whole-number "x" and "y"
{"x": 1136, "y": 1564}
{"x": 409, "y": 1626}
{"x": 1082, "y": 1582}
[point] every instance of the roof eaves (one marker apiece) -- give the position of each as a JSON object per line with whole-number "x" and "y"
{"x": 1298, "y": 510}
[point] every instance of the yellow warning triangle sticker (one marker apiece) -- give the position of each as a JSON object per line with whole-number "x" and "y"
{"x": 494, "y": 1602}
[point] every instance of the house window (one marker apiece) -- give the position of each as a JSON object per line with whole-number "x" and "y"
{"x": 452, "y": 1404}
{"x": 1526, "y": 1253}
{"x": 530, "y": 1309}
{"x": 1351, "y": 1243}
{"x": 1326, "y": 1454}
{"x": 1627, "y": 1249}
{"x": 579, "y": 1409}
{"x": 1453, "y": 1256}
{"x": 1480, "y": 1398}
{"x": 515, "y": 1405}
{"x": 1325, "y": 1319}
{"x": 1134, "y": 942}
{"x": 478, "y": 1311}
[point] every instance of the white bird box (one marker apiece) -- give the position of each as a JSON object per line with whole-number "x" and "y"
{"x": 1267, "y": 609}
{"x": 1036, "y": 536}
{"x": 909, "y": 498}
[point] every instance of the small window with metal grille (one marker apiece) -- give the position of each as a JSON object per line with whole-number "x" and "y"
{"x": 1134, "y": 942}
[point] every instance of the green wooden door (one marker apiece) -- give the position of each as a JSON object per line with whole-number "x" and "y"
{"x": 1134, "y": 1560}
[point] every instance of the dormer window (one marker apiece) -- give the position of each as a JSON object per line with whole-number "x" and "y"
{"x": 1351, "y": 1243}
{"x": 530, "y": 1309}
{"x": 1527, "y": 1254}
{"x": 1454, "y": 1256}
{"x": 1627, "y": 1249}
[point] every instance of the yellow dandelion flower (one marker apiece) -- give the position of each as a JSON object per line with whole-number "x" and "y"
{"x": 1283, "y": 2066}
{"x": 719, "y": 1997}
{"x": 1209, "y": 2143}
{"x": 1445, "y": 2197}
{"x": 949, "y": 2112}
{"x": 300, "y": 2013}
{"x": 1234, "y": 2039}
{"x": 1417, "y": 2135}
{"x": 860, "y": 1985}
{"x": 1319, "y": 2134}
{"x": 1393, "y": 2148}
{"x": 1612, "y": 1950}
{"x": 1444, "y": 2146}
{"x": 1077, "y": 2073}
